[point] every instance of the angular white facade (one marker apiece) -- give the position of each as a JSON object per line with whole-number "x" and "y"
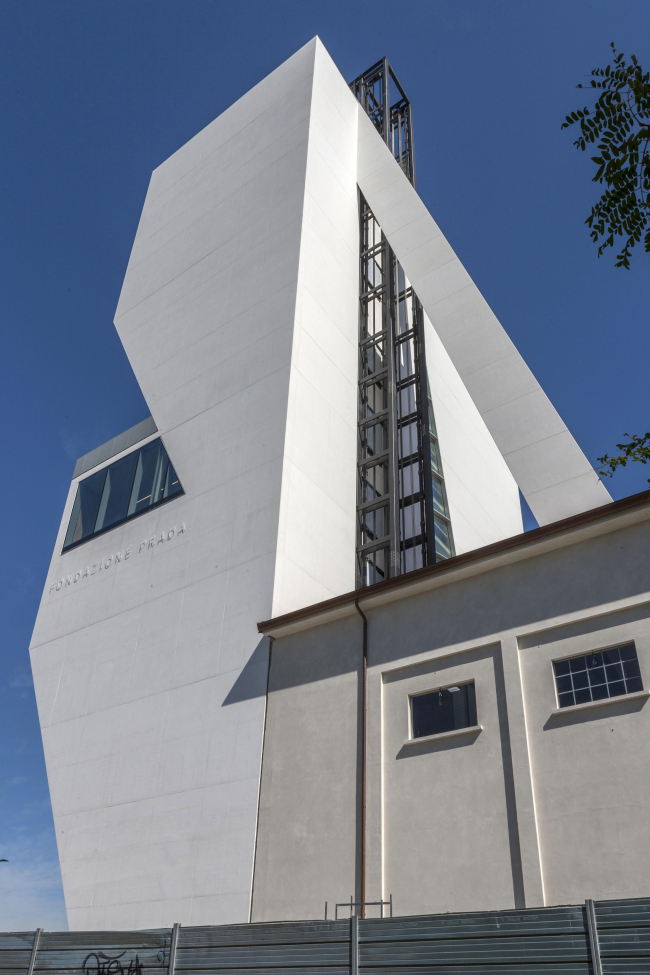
{"x": 239, "y": 315}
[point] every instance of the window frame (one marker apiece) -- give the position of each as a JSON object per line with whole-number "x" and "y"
{"x": 441, "y": 734}
{"x": 603, "y": 700}
{"x": 136, "y": 448}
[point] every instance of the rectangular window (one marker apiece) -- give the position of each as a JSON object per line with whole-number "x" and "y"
{"x": 125, "y": 488}
{"x": 445, "y": 709}
{"x": 409, "y": 443}
{"x": 411, "y": 558}
{"x": 406, "y": 400}
{"x": 412, "y": 516}
{"x": 597, "y": 676}
{"x": 442, "y": 536}
{"x": 439, "y": 501}
{"x": 409, "y": 480}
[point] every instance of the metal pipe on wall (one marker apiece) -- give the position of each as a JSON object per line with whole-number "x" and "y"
{"x": 364, "y": 712}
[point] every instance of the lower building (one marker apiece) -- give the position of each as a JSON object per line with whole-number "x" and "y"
{"x": 473, "y": 736}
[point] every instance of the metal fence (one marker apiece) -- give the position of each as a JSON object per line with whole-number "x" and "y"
{"x": 605, "y": 938}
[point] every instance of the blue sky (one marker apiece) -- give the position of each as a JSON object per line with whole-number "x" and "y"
{"x": 96, "y": 93}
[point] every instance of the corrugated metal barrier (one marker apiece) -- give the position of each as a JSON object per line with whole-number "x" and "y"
{"x": 601, "y": 938}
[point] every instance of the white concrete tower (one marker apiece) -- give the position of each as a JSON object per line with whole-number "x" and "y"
{"x": 240, "y": 317}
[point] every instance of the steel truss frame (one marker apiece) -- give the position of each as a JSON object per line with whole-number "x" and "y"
{"x": 402, "y": 513}
{"x": 374, "y": 89}
{"x": 403, "y": 517}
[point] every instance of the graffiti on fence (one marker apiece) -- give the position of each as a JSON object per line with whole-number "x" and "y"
{"x": 97, "y": 963}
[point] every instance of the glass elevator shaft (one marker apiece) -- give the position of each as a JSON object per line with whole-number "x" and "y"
{"x": 402, "y": 513}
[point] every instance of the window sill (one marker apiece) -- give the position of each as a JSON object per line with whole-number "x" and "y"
{"x": 447, "y": 734}
{"x": 598, "y": 704}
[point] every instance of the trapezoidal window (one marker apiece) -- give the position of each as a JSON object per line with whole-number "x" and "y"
{"x": 129, "y": 487}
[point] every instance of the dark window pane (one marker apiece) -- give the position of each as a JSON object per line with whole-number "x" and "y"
{"x": 618, "y": 687}
{"x": 581, "y": 679}
{"x": 597, "y": 676}
{"x": 561, "y": 667}
{"x": 149, "y": 483}
{"x": 614, "y": 672}
{"x": 444, "y": 710}
{"x": 594, "y": 660}
{"x": 86, "y": 506}
{"x": 578, "y": 663}
{"x": 566, "y": 700}
{"x": 631, "y": 668}
{"x": 599, "y": 692}
{"x": 612, "y": 656}
{"x": 564, "y": 684}
{"x": 582, "y": 696}
{"x": 117, "y": 492}
{"x": 634, "y": 684}
{"x": 628, "y": 652}
{"x": 470, "y": 691}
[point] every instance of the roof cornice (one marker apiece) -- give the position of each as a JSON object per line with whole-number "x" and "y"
{"x": 599, "y": 520}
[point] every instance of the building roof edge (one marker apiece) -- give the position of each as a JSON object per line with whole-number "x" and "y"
{"x": 336, "y": 606}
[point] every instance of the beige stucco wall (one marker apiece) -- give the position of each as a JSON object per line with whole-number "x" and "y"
{"x": 535, "y": 808}
{"x": 307, "y": 843}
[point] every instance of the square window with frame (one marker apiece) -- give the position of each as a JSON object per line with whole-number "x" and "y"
{"x": 597, "y": 675}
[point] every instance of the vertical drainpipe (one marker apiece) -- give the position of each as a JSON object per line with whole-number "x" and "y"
{"x": 259, "y": 785}
{"x": 364, "y": 722}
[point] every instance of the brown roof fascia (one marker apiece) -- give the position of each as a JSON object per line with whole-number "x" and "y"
{"x": 507, "y": 544}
